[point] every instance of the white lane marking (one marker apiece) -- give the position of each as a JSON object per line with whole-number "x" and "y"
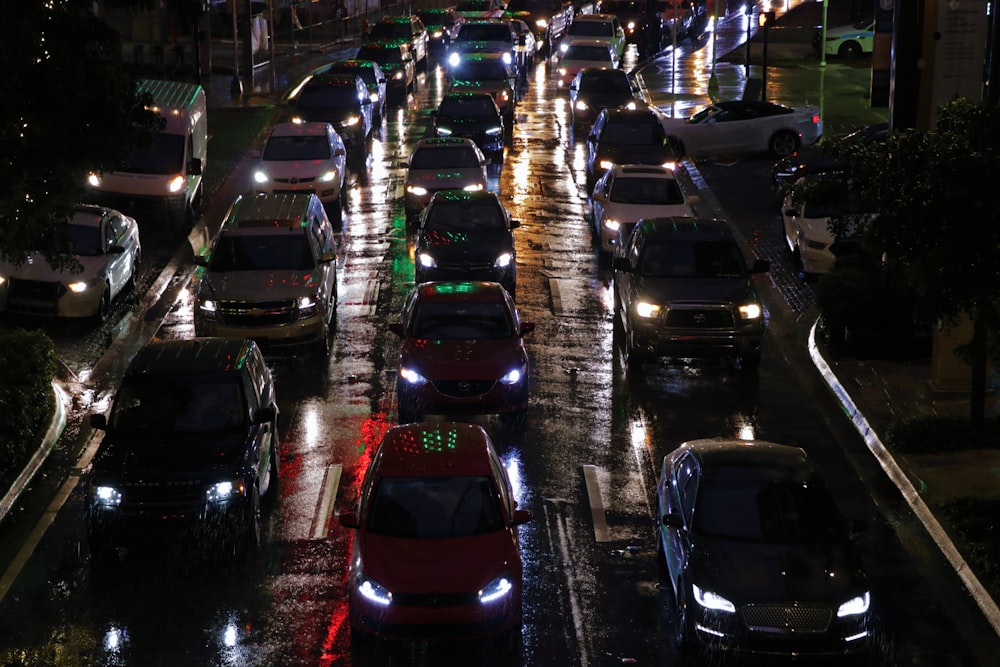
{"x": 562, "y": 543}
{"x": 331, "y": 483}
{"x": 600, "y": 519}
{"x": 556, "y": 297}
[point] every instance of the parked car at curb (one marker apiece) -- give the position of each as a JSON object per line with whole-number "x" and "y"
{"x": 106, "y": 248}
{"x": 683, "y": 288}
{"x": 848, "y": 41}
{"x": 190, "y": 450}
{"x": 806, "y": 224}
{"x": 764, "y": 506}
{"x": 436, "y": 552}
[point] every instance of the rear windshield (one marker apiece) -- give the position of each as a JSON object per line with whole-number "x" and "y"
{"x": 390, "y": 30}
{"x": 325, "y": 97}
{"x": 580, "y": 52}
{"x": 651, "y": 191}
{"x": 499, "y": 32}
{"x": 590, "y": 29}
{"x": 633, "y": 132}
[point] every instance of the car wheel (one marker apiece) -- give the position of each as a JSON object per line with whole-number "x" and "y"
{"x": 635, "y": 356}
{"x": 336, "y": 210}
{"x": 254, "y": 527}
{"x": 749, "y": 362}
{"x": 272, "y": 468}
{"x": 784, "y": 143}
{"x": 849, "y": 50}
{"x": 130, "y": 283}
{"x": 104, "y": 306}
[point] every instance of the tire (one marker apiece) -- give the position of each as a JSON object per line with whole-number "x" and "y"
{"x": 336, "y": 210}
{"x": 272, "y": 468}
{"x": 749, "y": 363}
{"x": 103, "y": 306}
{"x": 634, "y": 357}
{"x": 253, "y": 528}
{"x": 849, "y": 50}
{"x": 130, "y": 283}
{"x": 784, "y": 142}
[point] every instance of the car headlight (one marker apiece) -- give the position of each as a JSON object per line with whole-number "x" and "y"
{"x": 260, "y": 177}
{"x": 507, "y": 59}
{"x": 630, "y": 25}
{"x": 208, "y": 308}
{"x": 220, "y": 492}
{"x": 581, "y": 105}
{"x": 107, "y": 496}
{"x": 426, "y": 260}
{"x": 475, "y": 187}
{"x": 308, "y": 304}
{"x": 564, "y": 47}
{"x": 612, "y": 225}
{"x": 541, "y": 23}
{"x": 351, "y": 120}
{"x": 2, "y": 280}
{"x": 399, "y": 74}
{"x": 443, "y": 131}
{"x": 855, "y": 606}
{"x": 437, "y": 34}
{"x": 503, "y": 96}
{"x": 562, "y": 71}
{"x": 328, "y": 176}
{"x": 503, "y": 260}
{"x": 750, "y": 311}
{"x": 373, "y": 591}
{"x": 176, "y": 183}
{"x": 710, "y": 600}
{"x": 412, "y": 376}
{"x": 373, "y": 97}
{"x": 646, "y": 309}
{"x": 497, "y": 589}
{"x": 79, "y": 286}
{"x": 416, "y": 190}
{"x": 512, "y": 377}
{"x": 606, "y": 164}
{"x": 630, "y": 105}
{"x": 454, "y": 59}
{"x": 93, "y": 180}
{"x": 494, "y": 131}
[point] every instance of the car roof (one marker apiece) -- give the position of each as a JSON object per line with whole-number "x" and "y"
{"x": 434, "y": 449}
{"x": 779, "y": 461}
{"x": 305, "y": 128}
{"x": 191, "y": 355}
{"x": 90, "y": 215}
{"x": 464, "y": 291}
{"x": 268, "y": 211}
{"x": 451, "y": 142}
{"x": 672, "y": 226}
{"x": 460, "y": 196}
{"x": 624, "y": 114}
{"x": 643, "y": 171}
{"x": 333, "y": 80}
{"x": 348, "y": 65}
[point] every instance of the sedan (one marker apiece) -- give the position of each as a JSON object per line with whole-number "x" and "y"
{"x": 487, "y": 72}
{"x": 596, "y": 88}
{"x": 474, "y": 115}
{"x": 745, "y": 126}
{"x": 624, "y": 135}
{"x": 462, "y": 352}
{"x": 629, "y": 192}
{"x": 443, "y": 163}
{"x": 848, "y": 41}
{"x": 442, "y": 25}
{"x": 104, "y": 258}
{"x": 373, "y": 76}
{"x": 436, "y": 552}
{"x": 806, "y": 223}
{"x": 606, "y": 27}
{"x": 758, "y": 557}
{"x": 466, "y": 235}
{"x": 584, "y": 53}
{"x": 396, "y": 60}
{"x": 343, "y": 101}
{"x": 304, "y": 157}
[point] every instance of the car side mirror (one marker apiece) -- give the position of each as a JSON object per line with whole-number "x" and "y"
{"x": 671, "y": 520}
{"x": 327, "y": 257}
{"x": 99, "y": 421}
{"x": 520, "y": 517}
{"x": 760, "y": 266}
{"x": 339, "y": 152}
{"x": 396, "y": 328}
{"x": 527, "y": 327}
{"x": 514, "y": 224}
{"x": 194, "y": 166}
{"x": 266, "y": 414}
{"x": 348, "y": 519}
{"x": 621, "y": 264}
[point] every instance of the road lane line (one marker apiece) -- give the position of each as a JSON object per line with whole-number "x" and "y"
{"x": 600, "y": 519}
{"x": 556, "y": 297}
{"x": 331, "y": 483}
{"x": 561, "y": 543}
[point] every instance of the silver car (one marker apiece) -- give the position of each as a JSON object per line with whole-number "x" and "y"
{"x": 445, "y": 163}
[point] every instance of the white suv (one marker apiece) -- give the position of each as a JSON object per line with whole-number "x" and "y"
{"x": 303, "y": 158}
{"x": 271, "y": 274}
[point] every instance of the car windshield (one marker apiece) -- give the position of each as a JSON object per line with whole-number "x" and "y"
{"x": 435, "y": 507}
{"x": 297, "y": 148}
{"x": 633, "y": 132}
{"x": 163, "y": 155}
{"x": 444, "y": 158}
{"x": 473, "y": 6}
{"x": 381, "y": 56}
{"x": 590, "y": 29}
{"x": 467, "y": 321}
{"x": 484, "y": 32}
{"x": 740, "y": 504}
{"x": 623, "y": 7}
{"x": 697, "y": 259}
{"x": 390, "y": 30}
{"x": 255, "y": 252}
{"x": 85, "y": 240}
{"x": 587, "y": 52}
{"x": 325, "y": 97}
{"x": 459, "y": 107}
{"x": 180, "y": 404}
{"x": 646, "y": 191}
{"x": 606, "y": 80}
{"x": 472, "y": 71}
{"x": 464, "y": 216}
{"x": 367, "y": 74}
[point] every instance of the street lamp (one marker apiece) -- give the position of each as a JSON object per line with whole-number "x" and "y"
{"x": 764, "y": 21}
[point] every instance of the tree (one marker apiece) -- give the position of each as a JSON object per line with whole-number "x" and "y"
{"x": 70, "y": 108}
{"x": 939, "y": 221}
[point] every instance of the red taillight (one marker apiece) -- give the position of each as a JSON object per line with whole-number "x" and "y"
{"x": 815, "y": 119}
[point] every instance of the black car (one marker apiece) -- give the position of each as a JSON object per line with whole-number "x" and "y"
{"x": 373, "y": 76}
{"x": 397, "y": 62}
{"x": 466, "y": 236}
{"x": 474, "y": 115}
{"x": 548, "y": 19}
{"x": 632, "y": 15}
{"x": 623, "y": 135}
{"x": 759, "y": 559}
{"x": 683, "y": 288}
{"x": 596, "y": 88}
{"x": 190, "y": 448}
{"x": 343, "y": 101}
{"x": 442, "y": 25}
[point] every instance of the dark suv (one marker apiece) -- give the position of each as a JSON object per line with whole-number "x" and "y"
{"x": 190, "y": 447}
{"x": 683, "y": 287}
{"x": 548, "y": 19}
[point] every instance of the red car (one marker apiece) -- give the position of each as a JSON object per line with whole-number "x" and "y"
{"x": 436, "y": 551}
{"x": 462, "y": 352}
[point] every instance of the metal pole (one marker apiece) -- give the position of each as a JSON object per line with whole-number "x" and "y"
{"x": 763, "y": 65}
{"x": 822, "y": 41}
{"x": 236, "y": 85}
{"x": 749, "y": 19}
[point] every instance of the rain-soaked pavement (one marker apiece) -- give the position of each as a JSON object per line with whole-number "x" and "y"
{"x": 584, "y": 461}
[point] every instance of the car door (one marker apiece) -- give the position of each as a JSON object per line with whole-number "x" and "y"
{"x": 678, "y": 542}
{"x": 599, "y": 196}
{"x": 339, "y": 152}
{"x": 593, "y": 141}
{"x": 617, "y": 37}
{"x": 119, "y": 265}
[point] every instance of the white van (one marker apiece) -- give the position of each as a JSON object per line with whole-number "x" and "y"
{"x": 165, "y": 177}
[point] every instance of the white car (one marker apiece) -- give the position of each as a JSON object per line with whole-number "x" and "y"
{"x": 442, "y": 163}
{"x": 584, "y": 53}
{"x": 745, "y": 126}
{"x": 105, "y": 243}
{"x": 627, "y": 193}
{"x": 848, "y": 41}
{"x": 304, "y": 158}
{"x": 604, "y": 27}
{"x": 807, "y": 230}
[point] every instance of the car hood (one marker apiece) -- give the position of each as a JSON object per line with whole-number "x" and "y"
{"x": 445, "y": 178}
{"x": 469, "y": 124}
{"x": 606, "y": 100}
{"x": 171, "y": 455}
{"x": 635, "y": 212}
{"x": 296, "y": 168}
{"x": 744, "y": 572}
{"x": 259, "y": 285}
{"x": 37, "y": 268}
{"x": 457, "y": 246}
{"x": 463, "y": 359}
{"x": 697, "y": 290}
{"x": 450, "y": 565}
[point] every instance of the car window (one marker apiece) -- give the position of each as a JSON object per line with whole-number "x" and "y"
{"x": 466, "y": 107}
{"x": 179, "y": 405}
{"x": 737, "y": 504}
{"x": 85, "y": 240}
{"x": 297, "y": 148}
{"x": 444, "y": 158}
{"x": 582, "y": 52}
{"x": 465, "y": 216}
{"x": 327, "y": 96}
{"x": 474, "y": 71}
{"x": 606, "y": 80}
{"x": 390, "y": 30}
{"x": 650, "y": 191}
{"x": 434, "y": 507}
{"x": 476, "y": 321}
{"x": 632, "y": 131}
{"x": 701, "y": 259}
{"x": 238, "y": 252}
{"x": 590, "y": 29}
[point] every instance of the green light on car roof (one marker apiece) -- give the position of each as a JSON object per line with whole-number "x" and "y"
{"x": 439, "y": 440}
{"x": 454, "y": 288}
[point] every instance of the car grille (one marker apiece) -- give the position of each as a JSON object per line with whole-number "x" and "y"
{"x": 464, "y": 388}
{"x": 34, "y": 296}
{"x": 295, "y": 180}
{"x": 699, "y": 317}
{"x": 434, "y": 600}
{"x": 264, "y": 313}
{"x": 787, "y": 618}
{"x": 164, "y": 496}
{"x": 466, "y": 265}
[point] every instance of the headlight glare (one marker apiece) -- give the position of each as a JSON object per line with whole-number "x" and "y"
{"x": 412, "y": 376}
{"x": 225, "y": 490}
{"x": 78, "y": 287}
{"x": 260, "y": 177}
{"x": 503, "y": 260}
{"x": 176, "y": 184}
{"x": 495, "y": 590}
{"x": 710, "y": 600}
{"x": 855, "y": 606}
{"x": 416, "y": 190}
{"x": 373, "y": 591}
{"x": 646, "y": 309}
{"x": 108, "y": 496}
{"x": 750, "y": 311}
{"x": 512, "y": 377}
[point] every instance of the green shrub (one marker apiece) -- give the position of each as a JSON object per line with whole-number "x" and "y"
{"x": 27, "y": 367}
{"x": 976, "y": 523}
{"x": 934, "y": 434}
